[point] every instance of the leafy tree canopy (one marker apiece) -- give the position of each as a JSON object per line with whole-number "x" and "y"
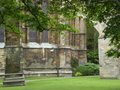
{"x": 53, "y": 14}
{"x": 107, "y": 11}
{"x": 32, "y": 14}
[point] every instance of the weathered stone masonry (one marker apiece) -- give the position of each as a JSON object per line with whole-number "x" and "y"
{"x": 52, "y": 57}
{"x": 109, "y": 67}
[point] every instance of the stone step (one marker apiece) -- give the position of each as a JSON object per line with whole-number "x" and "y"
{"x": 14, "y": 82}
{"x": 8, "y": 74}
{"x": 14, "y": 78}
{"x": 13, "y": 75}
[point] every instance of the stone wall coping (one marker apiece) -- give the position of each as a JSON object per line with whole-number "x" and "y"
{"x": 2, "y": 74}
{"x": 79, "y": 33}
{"x": 66, "y": 47}
{"x": 47, "y": 72}
{"x": 13, "y": 46}
{"x": 48, "y": 68}
{"x": 78, "y": 49}
{"x": 30, "y": 45}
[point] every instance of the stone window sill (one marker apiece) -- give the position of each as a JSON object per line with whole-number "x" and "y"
{"x": 30, "y": 45}
{"x": 2, "y": 45}
{"x": 37, "y": 45}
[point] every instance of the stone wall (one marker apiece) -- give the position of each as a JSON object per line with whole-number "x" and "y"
{"x": 46, "y": 62}
{"x": 39, "y": 61}
{"x": 39, "y": 58}
{"x": 65, "y": 57}
{"x": 49, "y": 57}
{"x": 2, "y": 61}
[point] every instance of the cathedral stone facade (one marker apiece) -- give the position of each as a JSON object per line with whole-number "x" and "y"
{"x": 46, "y": 53}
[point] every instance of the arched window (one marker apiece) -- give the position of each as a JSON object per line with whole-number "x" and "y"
{"x": 29, "y": 35}
{"x": 45, "y": 36}
{"x": 32, "y": 36}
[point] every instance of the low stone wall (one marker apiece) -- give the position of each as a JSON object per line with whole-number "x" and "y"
{"x": 38, "y": 58}
{"x": 47, "y": 62}
{"x": 64, "y": 72}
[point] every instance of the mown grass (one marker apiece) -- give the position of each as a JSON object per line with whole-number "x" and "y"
{"x": 79, "y": 83}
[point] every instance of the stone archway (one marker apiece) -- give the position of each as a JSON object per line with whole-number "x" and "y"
{"x": 109, "y": 67}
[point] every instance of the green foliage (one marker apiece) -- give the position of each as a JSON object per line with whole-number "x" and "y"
{"x": 32, "y": 13}
{"x": 92, "y": 42}
{"x": 107, "y": 11}
{"x": 79, "y": 83}
{"x": 92, "y": 57}
{"x": 84, "y": 69}
{"x": 74, "y": 62}
{"x": 88, "y": 69}
{"x": 66, "y": 8}
{"x": 35, "y": 14}
{"x": 9, "y": 15}
{"x": 74, "y": 65}
{"x": 113, "y": 32}
{"x": 77, "y": 74}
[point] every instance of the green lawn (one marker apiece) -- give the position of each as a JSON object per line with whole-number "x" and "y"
{"x": 80, "y": 83}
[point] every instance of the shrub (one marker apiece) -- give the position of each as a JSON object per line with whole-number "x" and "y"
{"x": 74, "y": 65}
{"x": 92, "y": 57}
{"x": 78, "y": 74}
{"x": 88, "y": 69}
{"x": 74, "y": 62}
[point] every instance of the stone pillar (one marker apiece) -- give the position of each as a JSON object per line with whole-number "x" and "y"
{"x": 62, "y": 39}
{"x": 78, "y": 40}
{"x": 109, "y": 67}
{"x": 82, "y": 29}
{"x": 13, "y": 53}
{"x": 79, "y": 51}
{"x": 65, "y": 62}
